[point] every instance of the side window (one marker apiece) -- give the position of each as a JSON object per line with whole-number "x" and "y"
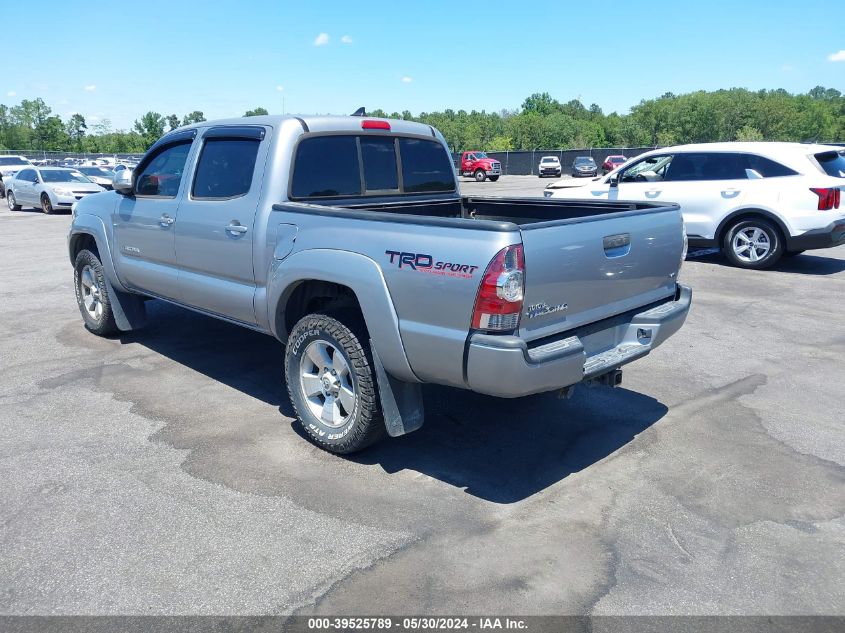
{"x": 162, "y": 175}
{"x": 706, "y": 166}
{"x": 326, "y": 166}
{"x": 25, "y": 175}
{"x": 225, "y": 168}
{"x": 767, "y": 168}
{"x": 425, "y": 166}
{"x": 378, "y": 154}
{"x": 651, "y": 169}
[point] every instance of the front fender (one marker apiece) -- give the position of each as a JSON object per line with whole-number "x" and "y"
{"x": 89, "y": 224}
{"x": 359, "y": 273}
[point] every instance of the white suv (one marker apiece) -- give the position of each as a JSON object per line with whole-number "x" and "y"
{"x": 754, "y": 201}
{"x": 549, "y": 166}
{"x": 9, "y": 166}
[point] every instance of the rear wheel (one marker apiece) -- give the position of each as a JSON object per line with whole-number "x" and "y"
{"x": 46, "y": 205}
{"x": 331, "y": 382}
{"x": 480, "y": 175}
{"x": 753, "y": 243}
{"x": 493, "y": 178}
{"x": 13, "y": 204}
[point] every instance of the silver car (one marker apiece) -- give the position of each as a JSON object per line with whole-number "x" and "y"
{"x": 102, "y": 175}
{"x": 49, "y": 188}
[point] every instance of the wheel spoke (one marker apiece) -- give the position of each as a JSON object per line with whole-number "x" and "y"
{"x": 98, "y": 309}
{"x": 89, "y": 302}
{"x": 311, "y": 384}
{"x": 87, "y": 278}
{"x": 742, "y": 236}
{"x": 330, "y": 412}
{"x": 318, "y": 354}
{"x": 743, "y": 248}
{"x": 753, "y": 254}
{"x": 339, "y": 363}
{"x": 347, "y": 399}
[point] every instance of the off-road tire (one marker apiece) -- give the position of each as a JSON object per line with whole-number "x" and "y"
{"x": 773, "y": 235}
{"x": 345, "y": 331}
{"x": 105, "y": 324}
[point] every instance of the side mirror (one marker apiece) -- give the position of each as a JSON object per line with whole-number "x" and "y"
{"x": 122, "y": 182}
{"x": 614, "y": 181}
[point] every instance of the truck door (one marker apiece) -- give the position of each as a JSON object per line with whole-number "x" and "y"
{"x": 144, "y": 222}
{"x": 216, "y": 230}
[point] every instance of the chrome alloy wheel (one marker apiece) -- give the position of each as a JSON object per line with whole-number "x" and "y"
{"x": 327, "y": 384}
{"x": 751, "y": 244}
{"x": 90, "y": 292}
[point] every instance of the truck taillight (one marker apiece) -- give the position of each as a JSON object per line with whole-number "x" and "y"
{"x": 499, "y": 299}
{"x": 829, "y": 197}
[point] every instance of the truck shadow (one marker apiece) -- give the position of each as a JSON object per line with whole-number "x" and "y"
{"x": 498, "y": 450}
{"x": 504, "y": 451}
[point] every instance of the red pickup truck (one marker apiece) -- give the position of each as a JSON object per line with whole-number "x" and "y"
{"x": 477, "y": 165}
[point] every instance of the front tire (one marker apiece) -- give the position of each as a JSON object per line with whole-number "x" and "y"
{"x": 46, "y": 205}
{"x": 92, "y": 294}
{"x": 480, "y": 175}
{"x": 13, "y": 204}
{"x": 331, "y": 382}
{"x": 753, "y": 243}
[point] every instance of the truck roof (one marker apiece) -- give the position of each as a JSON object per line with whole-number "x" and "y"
{"x": 322, "y": 123}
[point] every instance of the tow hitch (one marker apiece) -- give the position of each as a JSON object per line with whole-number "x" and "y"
{"x": 613, "y": 378}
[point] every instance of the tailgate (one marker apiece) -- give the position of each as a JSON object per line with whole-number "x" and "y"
{"x": 583, "y": 270}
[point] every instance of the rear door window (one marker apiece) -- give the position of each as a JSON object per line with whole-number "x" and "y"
{"x": 707, "y": 166}
{"x": 327, "y": 166}
{"x": 426, "y": 167}
{"x": 833, "y": 163}
{"x": 225, "y": 168}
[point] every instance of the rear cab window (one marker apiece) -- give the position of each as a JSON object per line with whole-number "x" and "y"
{"x": 360, "y": 165}
{"x": 832, "y": 162}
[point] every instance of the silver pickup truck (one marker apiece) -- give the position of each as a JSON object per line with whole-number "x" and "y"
{"x": 347, "y": 239}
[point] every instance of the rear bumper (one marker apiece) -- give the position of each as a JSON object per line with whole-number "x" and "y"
{"x": 504, "y": 366}
{"x": 832, "y": 235}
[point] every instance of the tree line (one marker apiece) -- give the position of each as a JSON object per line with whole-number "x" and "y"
{"x": 542, "y": 122}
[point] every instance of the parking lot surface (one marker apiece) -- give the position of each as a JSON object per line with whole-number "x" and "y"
{"x": 159, "y": 472}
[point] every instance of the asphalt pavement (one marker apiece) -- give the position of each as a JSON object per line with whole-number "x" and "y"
{"x": 160, "y": 473}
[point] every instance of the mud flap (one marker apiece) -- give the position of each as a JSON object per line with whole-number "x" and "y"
{"x": 401, "y": 402}
{"x": 128, "y": 309}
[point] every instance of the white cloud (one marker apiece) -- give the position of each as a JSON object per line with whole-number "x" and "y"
{"x": 346, "y": 39}
{"x": 11, "y": 93}
{"x": 321, "y": 40}
{"x": 280, "y": 88}
{"x": 837, "y": 57}
{"x": 90, "y": 88}
{"x": 406, "y": 80}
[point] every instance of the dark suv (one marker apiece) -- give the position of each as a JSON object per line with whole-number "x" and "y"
{"x": 584, "y": 166}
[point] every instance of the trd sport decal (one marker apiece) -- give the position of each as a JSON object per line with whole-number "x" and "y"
{"x": 423, "y": 263}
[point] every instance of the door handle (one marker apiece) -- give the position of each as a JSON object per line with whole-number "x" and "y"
{"x": 652, "y": 193}
{"x": 239, "y": 229}
{"x": 165, "y": 220}
{"x": 730, "y": 193}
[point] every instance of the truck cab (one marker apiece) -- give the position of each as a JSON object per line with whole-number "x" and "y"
{"x": 478, "y": 165}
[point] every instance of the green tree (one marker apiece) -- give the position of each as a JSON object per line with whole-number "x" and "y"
{"x": 150, "y": 127}
{"x": 257, "y": 112}
{"x": 76, "y": 129}
{"x": 749, "y": 133}
{"x": 172, "y": 121}
{"x": 194, "y": 117}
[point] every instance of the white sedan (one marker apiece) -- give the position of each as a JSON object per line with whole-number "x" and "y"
{"x": 755, "y": 201}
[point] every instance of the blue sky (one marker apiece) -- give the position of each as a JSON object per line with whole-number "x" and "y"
{"x": 226, "y": 57}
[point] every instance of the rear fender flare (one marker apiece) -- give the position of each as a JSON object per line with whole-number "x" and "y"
{"x": 357, "y": 272}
